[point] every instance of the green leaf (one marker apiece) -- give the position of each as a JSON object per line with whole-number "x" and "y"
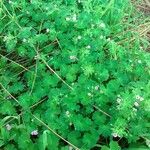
{"x": 11, "y": 44}
{"x": 7, "y": 108}
{"x": 105, "y": 148}
{"x": 103, "y": 75}
{"x": 41, "y": 38}
{"x": 114, "y": 145}
{"x": 1, "y": 143}
{"x": 25, "y": 33}
{"x": 45, "y": 142}
{"x": 16, "y": 87}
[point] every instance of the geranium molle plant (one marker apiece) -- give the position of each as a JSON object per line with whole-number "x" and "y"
{"x": 69, "y": 76}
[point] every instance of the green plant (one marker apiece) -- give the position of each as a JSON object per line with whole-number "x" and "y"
{"x": 69, "y": 77}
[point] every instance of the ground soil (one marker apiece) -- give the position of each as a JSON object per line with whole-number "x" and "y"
{"x": 144, "y": 7}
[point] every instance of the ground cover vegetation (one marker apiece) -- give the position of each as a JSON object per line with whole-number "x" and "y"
{"x": 73, "y": 75}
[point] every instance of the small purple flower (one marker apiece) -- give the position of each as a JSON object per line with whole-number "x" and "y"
{"x": 24, "y": 40}
{"x": 89, "y": 94}
{"x": 67, "y": 113}
{"x": 96, "y": 87}
{"x": 118, "y": 100}
{"x": 8, "y": 127}
{"x": 47, "y": 30}
{"x": 73, "y": 57}
{"x": 102, "y": 25}
{"x": 134, "y": 109}
{"x": 88, "y": 47}
{"x": 67, "y": 19}
{"x": 114, "y": 134}
{"x": 74, "y": 18}
{"x": 138, "y": 97}
{"x": 136, "y": 104}
{"x": 34, "y": 132}
{"x": 141, "y": 99}
{"x": 79, "y": 37}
